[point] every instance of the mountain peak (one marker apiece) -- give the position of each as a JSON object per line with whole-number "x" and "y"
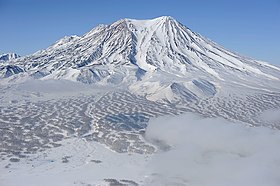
{"x": 8, "y": 56}
{"x": 132, "y": 50}
{"x": 166, "y": 18}
{"x": 148, "y": 22}
{"x": 153, "y": 19}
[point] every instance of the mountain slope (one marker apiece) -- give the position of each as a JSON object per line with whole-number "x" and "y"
{"x": 132, "y": 52}
{"x": 8, "y": 56}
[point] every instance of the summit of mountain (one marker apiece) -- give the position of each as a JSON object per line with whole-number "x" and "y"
{"x": 150, "y": 57}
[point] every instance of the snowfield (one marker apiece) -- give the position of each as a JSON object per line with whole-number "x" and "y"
{"x": 192, "y": 151}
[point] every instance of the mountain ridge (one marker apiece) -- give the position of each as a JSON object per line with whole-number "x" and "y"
{"x": 8, "y": 56}
{"x": 131, "y": 53}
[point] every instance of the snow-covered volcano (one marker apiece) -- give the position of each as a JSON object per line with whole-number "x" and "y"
{"x": 96, "y": 130}
{"x": 159, "y": 58}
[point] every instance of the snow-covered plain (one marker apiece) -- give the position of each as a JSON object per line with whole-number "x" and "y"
{"x": 192, "y": 151}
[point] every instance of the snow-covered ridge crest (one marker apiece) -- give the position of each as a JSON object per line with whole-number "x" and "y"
{"x": 140, "y": 54}
{"x": 8, "y": 56}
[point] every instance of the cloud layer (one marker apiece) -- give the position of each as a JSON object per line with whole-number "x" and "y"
{"x": 213, "y": 152}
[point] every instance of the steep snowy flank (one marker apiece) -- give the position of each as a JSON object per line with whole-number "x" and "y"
{"x": 141, "y": 54}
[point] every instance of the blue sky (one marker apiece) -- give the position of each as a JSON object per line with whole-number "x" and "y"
{"x": 249, "y": 27}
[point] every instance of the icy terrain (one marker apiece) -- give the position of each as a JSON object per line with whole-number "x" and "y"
{"x": 82, "y": 111}
{"x": 192, "y": 151}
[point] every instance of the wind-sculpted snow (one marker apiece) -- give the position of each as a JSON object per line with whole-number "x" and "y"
{"x": 209, "y": 145}
{"x": 116, "y": 119}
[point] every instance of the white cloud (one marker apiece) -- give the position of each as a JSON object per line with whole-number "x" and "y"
{"x": 213, "y": 152}
{"x": 272, "y": 115}
{"x": 52, "y": 86}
